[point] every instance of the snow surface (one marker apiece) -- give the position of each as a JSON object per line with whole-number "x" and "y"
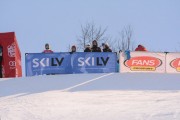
{"x": 138, "y": 96}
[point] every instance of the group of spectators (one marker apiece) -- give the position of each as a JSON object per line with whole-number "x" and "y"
{"x": 96, "y": 48}
{"x": 88, "y": 48}
{"x": 93, "y": 48}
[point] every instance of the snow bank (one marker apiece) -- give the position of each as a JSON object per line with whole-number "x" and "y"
{"x": 38, "y": 84}
{"x": 91, "y": 97}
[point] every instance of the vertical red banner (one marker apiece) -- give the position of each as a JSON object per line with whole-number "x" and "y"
{"x": 11, "y": 63}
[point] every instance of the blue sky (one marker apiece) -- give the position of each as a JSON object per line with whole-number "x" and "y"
{"x": 156, "y": 23}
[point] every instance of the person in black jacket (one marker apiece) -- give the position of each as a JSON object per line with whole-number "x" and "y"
{"x": 95, "y": 47}
{"x": 106, "y": 48}
{"x": 1, "y": 58}
{"x": 88, "y": 48}
{"x": 73, "y": 49}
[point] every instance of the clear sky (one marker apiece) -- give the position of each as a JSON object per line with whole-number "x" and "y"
{"x": 156, "y": 23}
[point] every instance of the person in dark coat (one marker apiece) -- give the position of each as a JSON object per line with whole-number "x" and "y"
{"x": 106, "y": 48}
{"x": 95, "y": 47}
{"x": 88, "y": 48}
{"x": 73, "y": 49}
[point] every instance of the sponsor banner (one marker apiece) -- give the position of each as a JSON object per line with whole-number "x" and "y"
{"x": 66, "y": 63}
{"x": 142, "y": 62}
{"x": 54, "y": 63}
{"x": 94, "y": 62}
{"x": 173, "y": 63}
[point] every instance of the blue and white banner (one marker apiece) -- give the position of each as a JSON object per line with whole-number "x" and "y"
{"x": 49, "y": 63}
{"x": 66, "y": 63}
{"x": 94, "y": 62}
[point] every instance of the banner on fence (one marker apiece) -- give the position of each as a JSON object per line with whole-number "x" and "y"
{"x": 173, "y": 63}
{"x": 94, "y": 62}
{"x": 40, "y": 63}
{"x": 142, "y": 62}
{"x": 66, "y": 63}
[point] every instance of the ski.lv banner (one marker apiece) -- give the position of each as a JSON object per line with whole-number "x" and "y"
{"x": 49, "y": 63}
{"x": 66, "y": 63}
{"x": 94, "y": 62}
{"x": 142, "y": 62}
{"x": 173, "y": 63}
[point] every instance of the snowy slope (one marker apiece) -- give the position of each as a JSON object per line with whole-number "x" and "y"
{"x": 91, "y": 97}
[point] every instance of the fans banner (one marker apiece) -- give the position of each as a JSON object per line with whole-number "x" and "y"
{"x": 173, "y": 63}
{"x": 142, "y": 62}
{"x": 66, "y": 63}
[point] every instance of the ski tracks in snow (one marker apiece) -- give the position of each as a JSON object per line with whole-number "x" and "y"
{"x": 84, "y": 83}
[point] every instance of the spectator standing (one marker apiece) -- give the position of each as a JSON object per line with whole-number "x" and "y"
{"x": 106, "y": 48}
{"x": 95, "y": 47}
{"x": 73, "y": 49}
{"x": 88, "y": 48}
{"x": 47, "y": 49}
{"x": 140, "y": 48}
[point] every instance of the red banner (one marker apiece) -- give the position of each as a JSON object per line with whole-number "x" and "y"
{"x": 11, "y": 63}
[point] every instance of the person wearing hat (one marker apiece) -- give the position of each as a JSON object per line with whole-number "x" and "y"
{"x": 47, "y": 49}
{"x": 95, "y": 47}
{"x": 73, "y": 49}
{"x": 106, "y": 47}
{"x": 88, "y": 48}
